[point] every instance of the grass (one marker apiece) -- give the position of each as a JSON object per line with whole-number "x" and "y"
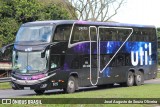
{"x": 84, "y": 105}
{"x": 158, "y": 75}
{"x": 144, "y": 91}
{"x": 5, "y": 85}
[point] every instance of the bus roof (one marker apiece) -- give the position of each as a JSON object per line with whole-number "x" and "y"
{"x": 58, "y": 22}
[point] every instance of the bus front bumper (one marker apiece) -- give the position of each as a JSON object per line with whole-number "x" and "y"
{"x": 37, "y": 86}
{"x": 40, "y": 84}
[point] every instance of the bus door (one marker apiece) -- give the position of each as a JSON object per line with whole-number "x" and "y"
{"x": 94, "y": 69}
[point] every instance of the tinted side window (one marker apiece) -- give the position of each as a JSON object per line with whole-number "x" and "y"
{"x": 62, "y": 33}
{"x": 123, "y": 34}
{"x": 120, "y": 60}
{"x": 55, "y": 61}
{"x": 153, "y": 35}
{"x": 113, "y": 34}
{"x": 127, "y": 60}
{"x": 93, "y": 34}
{"x": 107, "y": 34}
{"x": 113, "y": 62}
{"x": 80, "y": 33}
{"x": 143, "y": 34}
{"x": 133, "y": 36}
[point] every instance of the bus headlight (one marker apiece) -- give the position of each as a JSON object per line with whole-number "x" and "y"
{"x": 43, "y": 86}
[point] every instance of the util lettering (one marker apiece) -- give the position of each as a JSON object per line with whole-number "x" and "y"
{"x": 143, "y": 56}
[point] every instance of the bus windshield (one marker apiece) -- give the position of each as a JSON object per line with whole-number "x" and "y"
{"x": 32, "y": 62}
{"x": 34, "y": 33}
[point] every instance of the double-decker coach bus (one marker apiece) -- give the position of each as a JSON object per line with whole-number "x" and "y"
{"x": 67, "y": 54}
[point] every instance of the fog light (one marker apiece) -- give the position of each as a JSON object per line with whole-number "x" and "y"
{"x": 60, "y": 81}
{"x": 43, "y": 86}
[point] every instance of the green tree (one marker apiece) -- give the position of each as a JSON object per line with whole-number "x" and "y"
{"x": 21, "y": 10}
{"x": 8, "y": 28}
{"x": 15, "y": 12}
{"x": 53, "y": 12}
{"x": 63, "y": 4}
{"x": 158, "y": 32}
{"x": 158, "y": 39}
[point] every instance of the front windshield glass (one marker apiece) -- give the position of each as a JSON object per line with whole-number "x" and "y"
{"x": 34, "y": 33}
{"x": 31, "y": 62}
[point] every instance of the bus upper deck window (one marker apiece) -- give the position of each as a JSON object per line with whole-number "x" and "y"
{"x": 80, "y": 33}
{"x": 58, "y": 35}
{"x": 62, "y": 33}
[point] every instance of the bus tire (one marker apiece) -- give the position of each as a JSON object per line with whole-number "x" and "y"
{"x": 130, "y": 80}
{"x": 39, "y": 92}
{"x": 139, "y": 78}
{"x": 71, "y": 85}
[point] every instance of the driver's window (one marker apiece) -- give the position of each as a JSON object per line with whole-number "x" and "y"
{"x": 55, "y": 61}
{"x": 62, "y": 33}
{"x": 80, "y": 33}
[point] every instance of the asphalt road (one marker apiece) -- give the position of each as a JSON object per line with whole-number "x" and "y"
{"x": 153, "y": 81}
{"x": 9, "y": 93}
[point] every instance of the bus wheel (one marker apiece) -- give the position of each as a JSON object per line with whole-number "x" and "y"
{"x": 39, "y": 91}
{"x": 139, "y": 78}
{"x": 130, "y": 80}
{"x": 71, "y": 86}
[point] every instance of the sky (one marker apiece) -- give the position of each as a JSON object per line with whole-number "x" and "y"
{"x": 139, "y": 12}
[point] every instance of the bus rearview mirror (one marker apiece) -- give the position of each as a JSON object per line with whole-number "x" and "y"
{"x": 43, "y": 54}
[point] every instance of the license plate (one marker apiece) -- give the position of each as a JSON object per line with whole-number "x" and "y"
{"x": 27, "y": 88}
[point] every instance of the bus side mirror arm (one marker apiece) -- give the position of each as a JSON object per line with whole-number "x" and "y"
{"x": 44, "y": 51}
{"x": 3, "y": 49}
{"x": 3, "y": 55}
